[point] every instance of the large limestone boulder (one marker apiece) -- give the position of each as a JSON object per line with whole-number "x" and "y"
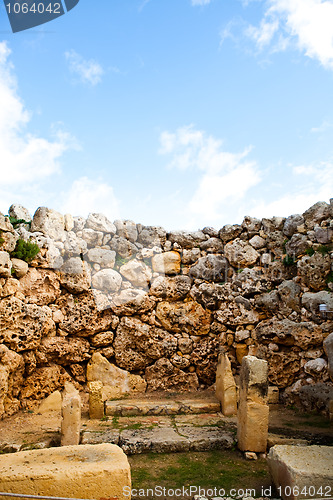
{"x": 5, "y": 264}
{"x": 49, "y": 222}
{"x": 73, "y": 245}
{"x": 137, "y": 272}
{"x": 43, "y": 381}
{"x": 166, "y": 263}
{"x": 317, "y": 213}
{"x": 124, "y": 248}
{"x": 107, "y": 280}
{"x": 297, "y": 245}
{"x": 75, "y": 275}
{"x": 131, "y": 301}
{"x": 314, "y": 270}
{"x": 188, "y": 317}
{"x": 240, "y": 254}
{"x": 164, "y": 376}
{"x": 137, "y": 344}
{"x": 64, "y": 350}
{"x": 5, "y": 224}
{"x": 209, "y": 295}
{"x": 239, "y": 312}
{"x": 91, "y": 237}
{"x": 98, "y": 222}
{"x": 11, "y": 379}
{"x": 40, "y": 286}
{"x": 328, "y": 347}
{"x": 291, "y": 224}
{"x": 81, "y": 316}
{"x": 187, "y": 239}
{"x": 228, "y": 232}
{"x": 149, "y": 236}
{"x": 284, "y": 365}
{"x": 213, "y": 245}
{"x": 204, "y": 358}
{"x": 101, "y": 256}
{"x": 127, "y": 229}
{"x": 289, "y": 333}
{"x": 210, "y": 268}
{"x": 20, "y": 267}
{"x": 87, "y": 471}
{"x": 170, "y": 288}
{"x": 19, "y": 212}
{"x": 251, "y": 281}
{"x": 23, "y": 325}
{"x": 8, "y": 241}
{"x": 311, "y": 302}
{"x": 251, "y": 225}
{"x": 116, "y": 382}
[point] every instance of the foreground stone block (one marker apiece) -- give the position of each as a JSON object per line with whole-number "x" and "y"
{"x": 302, "y": 471}
{"x": 85, "y": 471}
{"x": 253, "y": 410}
{"x": 226, "y": 386}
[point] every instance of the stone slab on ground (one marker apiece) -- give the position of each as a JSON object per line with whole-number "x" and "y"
{"x": 275, "y": 439}
{"x": 162, "y": 407}
{"x": 302, "y": 471}
{"x": 207, "y": 438}
{"x": 165, "y": 440}
{"x": 98, "y": 437}
{"x": 90, "y": 471}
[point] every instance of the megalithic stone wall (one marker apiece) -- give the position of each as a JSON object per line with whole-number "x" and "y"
{"x": 151, "y": 309}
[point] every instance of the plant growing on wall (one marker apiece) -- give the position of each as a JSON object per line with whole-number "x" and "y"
{"x": 25, "y": 250}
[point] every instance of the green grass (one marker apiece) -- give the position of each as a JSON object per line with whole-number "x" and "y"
{"x": 214, "y": 469}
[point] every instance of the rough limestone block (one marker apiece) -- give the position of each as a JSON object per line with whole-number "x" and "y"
{"x": 85, "y": 471}
{"x": 226, "y": 386}
{"x": 53, "y": 403}
{"x": 71, "y": 416}
{"x": 302, "y": 471}
{"x": 96, "y": 403}
{"x": 253, "y": 410}
{"x": 273, "y": 394}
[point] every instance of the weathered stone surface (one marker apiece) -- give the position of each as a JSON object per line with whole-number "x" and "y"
{"x": 311, "y": 302}
{"x": 71, "y": 416}
{"x": 8, "y": 241}
{"x": 131, "y": 301}
{"x": 317, "y": 213}
{"x": 23, "y": 325}
{"x": 126, "y": 249}
{"x": 190, "y": 256}
{"x": 299, "y": 470}
{"x": 251, "y": 225}
{"x": 75, "y": 275}
{"x": 252, "y": 426}
{"x": 289, "y": 333}
{"x": 314, "y": 270}
{"x": 91, "y": 237}
{"x": 291, "y": 224}
{"x": 283, "y": 366}
{"x": 328, "y": 347}
{"x": 324, "y": 235}
{"x": 187, "y": 239}
{"x": 226, "y": 386}
{"x": 127, "y": 229}
{"x": 239, "y": 312}
{"x": 273, "y": 224}
{"x": 251, "y": 281}
{"x": 116, "y": 381}
{"x": 213, "y": 245}
{"x": 98, "y": 222}
{"x": 40, "y": 286}
{"x": 107, "y": 280}
{"x": 175, "y": 288}
{"x": 315, "y": 366}
{"x": 11, "y": 380}
{"x": 166, "y": 263}
{"x": 96, "y": 403}
{"x": 19, "y": 212}
{"x": 210, "y": 268}
{"x": 44, "y": 381}
{"x": 105, "y": 258}
{"x": 137, "y": 344}
{"x": 209, "y": 295}
{"x": 64, "y": 350}
{"x": 257, "y": 242}
{"x": 49, "y": 222}
{"x": 316, "y": 398}
{"x": 5, "y": 264}
{"x": 150, "y": 236}
{"x": 52, "y": 403}
{"x": 204, "y": 358}
{"x": 5, "y": 224}
{"x": 206, "y": 438}
{"x": 228, "y": 232}
{"x": 74, "y": 246}
{"x": 165, "y": 440}
{"x": 137, "y": 272}
{"x": 240, "y": 254}
{"x": 297, "y": 245}
{"x": 19, "y": 267}
{"x": 68, "y": 472}
{"x": 81, "y": 315}
{"x": 166, "y": 377}
{"x": 290, "y": 297}
{"x": 188, "y": 317}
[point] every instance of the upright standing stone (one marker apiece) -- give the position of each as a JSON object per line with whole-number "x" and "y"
{"x": 96, "y": 403}
{"x": 252, "y": 427}
{"x": 71, "y": 416}
{"x": 226, "y": 386}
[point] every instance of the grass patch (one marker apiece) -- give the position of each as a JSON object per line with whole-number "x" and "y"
{"x": 214, "y": 469}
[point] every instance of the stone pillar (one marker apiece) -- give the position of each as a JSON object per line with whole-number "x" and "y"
{"x": 226, "y": 385}
{"x": 252, "y": 426}
{"x": 71, "y": 416}
{"x": 96, "y": 403}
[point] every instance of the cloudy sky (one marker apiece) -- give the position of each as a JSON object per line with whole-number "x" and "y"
{"x": 180, "y": 113}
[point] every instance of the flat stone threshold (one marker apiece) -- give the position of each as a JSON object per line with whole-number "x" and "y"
{"x": 131, "y": 407}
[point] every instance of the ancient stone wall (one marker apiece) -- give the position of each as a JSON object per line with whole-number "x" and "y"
{"x": 156, "y": 306}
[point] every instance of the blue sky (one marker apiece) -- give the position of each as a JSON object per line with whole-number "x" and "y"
{"x": 180, "y": 113}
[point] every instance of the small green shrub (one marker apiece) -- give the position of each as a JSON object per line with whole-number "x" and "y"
{"x": 15, "y": 222}
{"x": 288, "y": 260}
{"x": 329, "y": 277}
{"x": 2, "y": 240}
{"x": 25, "y": 250}
{"x": 325, "y": 249}
{"x": 309, "y": 251}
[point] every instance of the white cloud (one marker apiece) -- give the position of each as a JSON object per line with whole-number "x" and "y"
{"x": 223, "y": 178}
{"x": 24, "y": 158}
{"x": 200, "y": 2}
{"x": 88, "y": 71}
{"x": 325, "y": 125}
{"x": 90, "y": 195}
{"x": 307, "y": 22}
